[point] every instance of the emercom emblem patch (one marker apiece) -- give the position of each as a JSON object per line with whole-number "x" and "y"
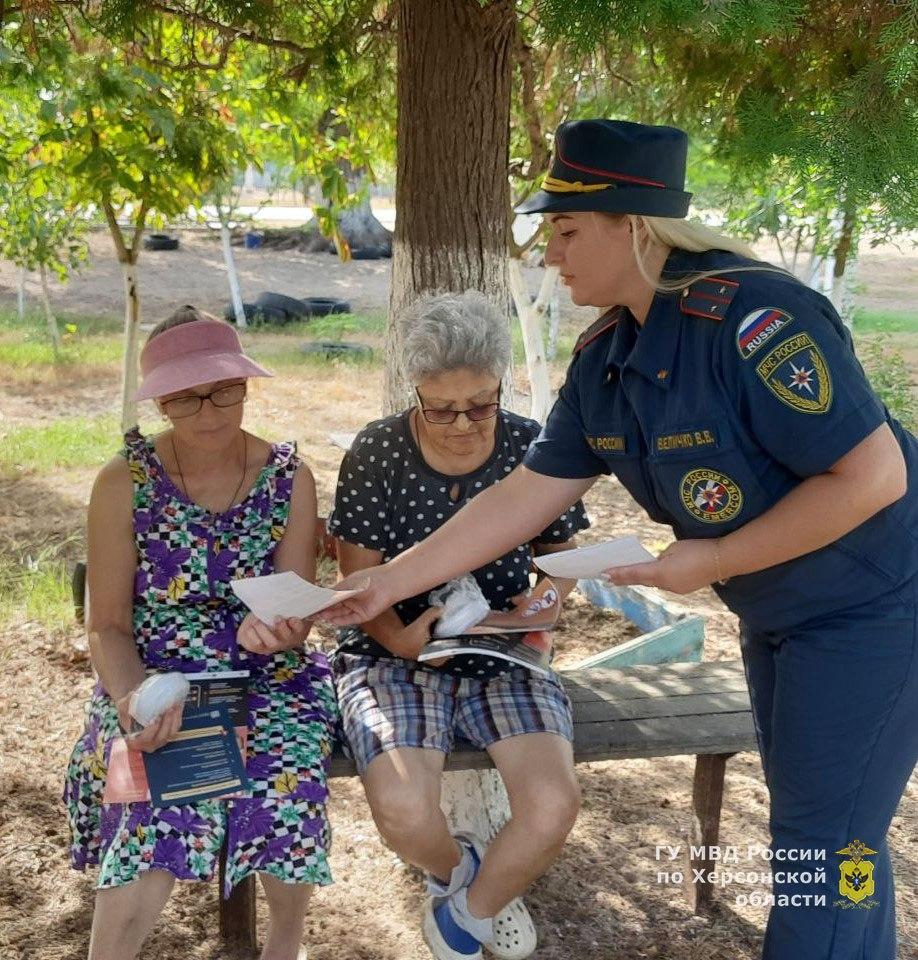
{"x": 796, "y": 372}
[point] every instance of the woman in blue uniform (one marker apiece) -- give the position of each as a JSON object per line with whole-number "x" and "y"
{"x": 725, "y": 395}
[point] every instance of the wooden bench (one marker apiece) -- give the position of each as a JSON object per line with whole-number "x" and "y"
{"x": 657, "y": 709}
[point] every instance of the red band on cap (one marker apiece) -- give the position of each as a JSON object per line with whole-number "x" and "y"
{"x": 627, "y": 178}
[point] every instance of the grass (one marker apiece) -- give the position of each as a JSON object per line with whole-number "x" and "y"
{"x": 68, "y": 442}
{"x": 29, "y": 354}
{"x": 336, "y": 326}
{"x": 277, "y": 356}
{"x": 25, "y": 344}
{"x": 885, "y": 321}
{"x": 37, "y": 588}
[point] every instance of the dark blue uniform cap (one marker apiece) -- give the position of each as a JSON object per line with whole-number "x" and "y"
{"x": 615, "y": 166}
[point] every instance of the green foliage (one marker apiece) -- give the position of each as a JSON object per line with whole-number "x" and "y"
{"x": 333, "y": 130}
{"x": 590, "y": 23}
{"x": 40, "y": 224}
{"x": 791, "y": 93}
{"x": 125, "y": 135}
{"x": 890, "y": 378}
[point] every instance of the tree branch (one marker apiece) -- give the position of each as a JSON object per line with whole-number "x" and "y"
{"x": 237, "y": 33}
{"x": 107, "y": 208}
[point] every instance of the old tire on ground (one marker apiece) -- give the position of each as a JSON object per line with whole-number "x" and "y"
{"x": 280, "y": 301}
{"x": 257, "y": 316}
{"x": 323, "y": 306}
{"x": 160, "y": 241}
{"x": 371, "y": 253}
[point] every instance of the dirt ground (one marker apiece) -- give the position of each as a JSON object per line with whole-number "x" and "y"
{"x": 600, "y": 901}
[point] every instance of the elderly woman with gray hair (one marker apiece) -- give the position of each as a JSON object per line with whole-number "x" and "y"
{"x": 403, "y": 478}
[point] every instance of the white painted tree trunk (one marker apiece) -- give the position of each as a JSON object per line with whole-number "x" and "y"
{"x": 49, "y": 313}
{"x": 232, "y": 276}
{"x": 131, "y": 340}
{"x": 843, "y": 293}
{"x": 531, "y": 314}
{"x": 20, "y": 294}
{"x": 475, "y": 801}
{"x": 554, "y": 323}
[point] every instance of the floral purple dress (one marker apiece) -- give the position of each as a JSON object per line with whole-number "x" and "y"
{"x": 185, "y": 618}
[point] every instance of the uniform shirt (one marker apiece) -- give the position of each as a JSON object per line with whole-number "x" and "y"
{"x": 388, "y": 499}
{"x": 709, "y": 421}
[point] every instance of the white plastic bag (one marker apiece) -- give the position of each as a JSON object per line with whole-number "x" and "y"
{"x": 463, "y": 604}
{"x": 156, "y": 695}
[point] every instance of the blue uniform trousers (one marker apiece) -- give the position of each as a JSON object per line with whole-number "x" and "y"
{"x": 835, "y": 704}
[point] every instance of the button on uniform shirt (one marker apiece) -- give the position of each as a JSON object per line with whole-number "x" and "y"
{"x": 388, "y": 499}
{"x": 734, "y": 391}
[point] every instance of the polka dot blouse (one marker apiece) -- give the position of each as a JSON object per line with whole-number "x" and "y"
{"x": 388, "y": 499}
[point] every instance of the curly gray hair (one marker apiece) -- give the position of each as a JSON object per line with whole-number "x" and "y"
{"x": 454, "y": 331}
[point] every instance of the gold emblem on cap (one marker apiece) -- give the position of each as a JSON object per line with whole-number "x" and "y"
{"x": 554, "y": 185}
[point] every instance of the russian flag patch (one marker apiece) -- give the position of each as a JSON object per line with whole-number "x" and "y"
{"x": 758, "y": 327}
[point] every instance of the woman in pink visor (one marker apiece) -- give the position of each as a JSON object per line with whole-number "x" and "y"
{"x": 172, "y": 521}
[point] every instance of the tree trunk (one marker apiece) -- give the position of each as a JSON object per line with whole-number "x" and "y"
{"x": 20, "y": 295}
{"x": 530, "y": 314}
{"x": 844, "y": 249}
{"x": 131, "y": 340}
{"x": 452, "y": 192}
{"x": 49, "y": 313}
{"x": 363, "y": 231}
{"x": 231, "y": 275}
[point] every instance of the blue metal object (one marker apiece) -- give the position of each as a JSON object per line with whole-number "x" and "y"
{"x": 671, "y": 635}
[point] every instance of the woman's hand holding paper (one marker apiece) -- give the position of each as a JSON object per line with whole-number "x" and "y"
{"x": 286, "y": 634}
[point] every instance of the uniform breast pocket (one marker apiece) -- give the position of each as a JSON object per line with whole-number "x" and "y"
{"x": 702, "y": 478}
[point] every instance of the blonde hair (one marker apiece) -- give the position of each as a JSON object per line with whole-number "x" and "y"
{"x": 686, "y": 235}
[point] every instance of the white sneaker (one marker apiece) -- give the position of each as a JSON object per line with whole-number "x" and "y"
{"x": 515, "y": 936}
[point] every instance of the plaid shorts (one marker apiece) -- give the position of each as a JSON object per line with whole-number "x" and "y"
{"x": 390, "y": 703}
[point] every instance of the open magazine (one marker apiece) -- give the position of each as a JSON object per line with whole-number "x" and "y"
{"x": 533, "y": 620}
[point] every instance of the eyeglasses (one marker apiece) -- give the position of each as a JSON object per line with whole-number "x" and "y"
{"x": 188, "y": 406}
{"x": 484, "y": 411}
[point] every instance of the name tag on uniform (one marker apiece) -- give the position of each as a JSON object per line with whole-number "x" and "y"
{"x": 609, "y": 443}
{"x": 698, "y": 439}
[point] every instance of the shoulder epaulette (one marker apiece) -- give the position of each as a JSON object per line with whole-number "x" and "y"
{"x": 709, "y": 297}
{"x": 597, "y": 329}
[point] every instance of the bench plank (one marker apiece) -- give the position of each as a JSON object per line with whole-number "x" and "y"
{"x": 654, "y": 680}
{"x": 610, "y": 711}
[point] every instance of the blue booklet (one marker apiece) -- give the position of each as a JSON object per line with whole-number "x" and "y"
{"x": 201, "y": 763}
